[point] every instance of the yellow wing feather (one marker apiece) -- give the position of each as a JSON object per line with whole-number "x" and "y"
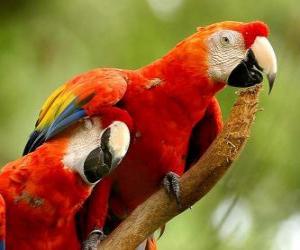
{"x": 53, "y": 106}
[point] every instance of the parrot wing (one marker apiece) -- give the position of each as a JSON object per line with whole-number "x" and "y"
{"x": 83, "y": 96}
{"x": 204, "y": 133}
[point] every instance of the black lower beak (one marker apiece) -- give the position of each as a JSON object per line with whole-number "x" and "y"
{"x": 247, "y": 73}
{"x": 95, "y": 166}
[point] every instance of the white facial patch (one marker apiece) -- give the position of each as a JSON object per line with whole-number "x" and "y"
{"x": 226, "y": 49}
{"x": 88, "y": 136}
{"x": 83, "y": 140}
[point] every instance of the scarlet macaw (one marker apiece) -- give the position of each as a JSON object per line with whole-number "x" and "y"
{"x": 173, "y": 108}
{"x": 43, "y": 190}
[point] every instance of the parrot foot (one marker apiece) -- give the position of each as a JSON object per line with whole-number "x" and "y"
{"x": 172, "y": 186}
{"x": 93, "y": 240}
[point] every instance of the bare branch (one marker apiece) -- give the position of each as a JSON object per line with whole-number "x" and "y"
{"x": 195, "y": 183}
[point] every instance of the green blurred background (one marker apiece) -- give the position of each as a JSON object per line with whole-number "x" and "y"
{"x": 44, "y": 43}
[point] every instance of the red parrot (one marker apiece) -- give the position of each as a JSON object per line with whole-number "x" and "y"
{"x": 43, "y": 190}
{"x": 173, "y": 108}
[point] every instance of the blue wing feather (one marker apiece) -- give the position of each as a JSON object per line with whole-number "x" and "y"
{"x": 70, "y": 109}
{"x": 64, "y": 123}
{"x": 2, "y": 245}
{"x": 36, "y": 139}
{"x": 70, "y": 115}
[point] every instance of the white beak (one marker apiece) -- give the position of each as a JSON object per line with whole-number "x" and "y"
{"x": 266, "y": 58}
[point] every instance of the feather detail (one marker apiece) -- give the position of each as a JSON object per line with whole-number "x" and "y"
{"x": 69, "y": 116}
{"x": 2, "y": 244}
{"x": 48, "y": 103}
{"x": 57, "y": 127}
{"x": 85, "y": 95}
{"x": 72, "y": 113}
{"x": 55, "y": 108}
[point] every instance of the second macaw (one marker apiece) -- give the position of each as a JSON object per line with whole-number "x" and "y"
{"x": 173, "y": 108}
{"x": 41, "y": 192}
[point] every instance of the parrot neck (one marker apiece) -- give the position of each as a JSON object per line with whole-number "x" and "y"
{"x": 177, "y": 73}
{"x": 179, "y": 83}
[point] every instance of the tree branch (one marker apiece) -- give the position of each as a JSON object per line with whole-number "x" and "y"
{"x": 195, "y": 183}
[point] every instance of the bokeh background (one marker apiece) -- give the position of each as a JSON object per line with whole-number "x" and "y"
{"x": 44, "y": 43}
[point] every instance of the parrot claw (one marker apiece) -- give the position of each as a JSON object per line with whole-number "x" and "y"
{"x": 93, "y": 240}
{"x": 172, "y": 186}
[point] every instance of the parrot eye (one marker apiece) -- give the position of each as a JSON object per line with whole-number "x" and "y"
{"x": 225, "y": 40}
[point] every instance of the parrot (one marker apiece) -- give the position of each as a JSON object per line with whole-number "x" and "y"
{"x": 173, "y": 108}
{"x": 41, "y": 192}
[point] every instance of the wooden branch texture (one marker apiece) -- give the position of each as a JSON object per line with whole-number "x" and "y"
{"x": 195, "y": 183}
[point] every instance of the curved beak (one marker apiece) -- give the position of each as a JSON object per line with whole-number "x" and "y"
{"x": 114, "y": 143}
{"x": 266, "y": 58}
{"x": 260, "y": 58}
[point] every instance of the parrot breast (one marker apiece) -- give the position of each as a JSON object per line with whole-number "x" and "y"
{"x": 163, "y": 118}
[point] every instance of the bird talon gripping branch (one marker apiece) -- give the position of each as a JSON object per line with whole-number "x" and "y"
{"x": 172, "y": 185}
{"x": 93, "y": 240}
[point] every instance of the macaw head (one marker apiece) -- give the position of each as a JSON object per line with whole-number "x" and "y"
{"x": 71, "y": 163}
{"x": 232, "y": 53}
{"x": 59, "y": 175}
{"x": 48, "y": 186}
{"x": 94, "y": 151}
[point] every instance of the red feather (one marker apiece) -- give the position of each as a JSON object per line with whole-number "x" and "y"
{"x": 42, "y": 197}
